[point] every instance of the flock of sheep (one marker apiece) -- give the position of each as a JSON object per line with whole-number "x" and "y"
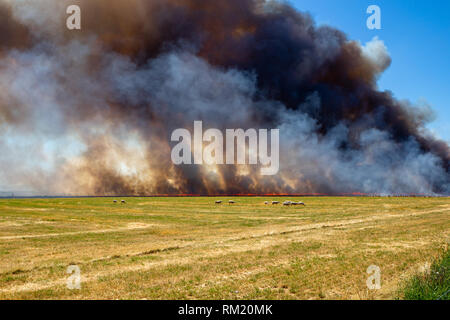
{"x": 285, "y": 203}
{"x": 229, "y": 201}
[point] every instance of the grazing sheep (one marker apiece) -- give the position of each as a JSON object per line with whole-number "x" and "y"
{"x": 218, "y": 201}
{"x": 231, "y": 201}
{"x": 123, "y": 201}
{"x": 275, "y": 202}
{"x": 115, "y": 201}
{"x": 287, "y": 203}
{"x": 266, "y": 202}
{"x": 298, "y": 203}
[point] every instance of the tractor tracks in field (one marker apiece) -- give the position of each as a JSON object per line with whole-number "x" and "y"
{"x": 130, "y": 226}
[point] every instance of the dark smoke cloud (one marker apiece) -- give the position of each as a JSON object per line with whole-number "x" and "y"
{"x": 91, "y": 111}
{"x": 14, "y": 34}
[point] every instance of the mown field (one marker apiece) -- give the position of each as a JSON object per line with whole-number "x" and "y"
{"x": 190, "y": 248}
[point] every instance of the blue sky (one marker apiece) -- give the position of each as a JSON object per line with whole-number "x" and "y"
{"x": 417, "y": 35}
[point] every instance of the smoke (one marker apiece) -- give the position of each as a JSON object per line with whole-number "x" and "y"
{"x": 91, "y": 112}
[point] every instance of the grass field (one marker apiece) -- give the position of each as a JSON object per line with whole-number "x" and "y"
{"x": 190, "y": 248}
{"x": 432, "y": 284}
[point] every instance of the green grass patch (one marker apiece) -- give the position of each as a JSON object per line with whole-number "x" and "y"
{"x": 433, "y": 284}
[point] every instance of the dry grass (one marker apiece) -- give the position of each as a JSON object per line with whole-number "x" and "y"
{"x": 190, "y": 248}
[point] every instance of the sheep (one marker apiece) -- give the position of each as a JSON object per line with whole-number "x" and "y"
{"x": 275, "y": 202}
{"x": 266, "y": 202}
{"x": 297, "y": 203}
{"x": 218, "y": 201}
{"x": 231, "y": 201}
{"x": 115, "y": 201}
{"x": 123, "y": 201}
{"x": 287, "y": 203}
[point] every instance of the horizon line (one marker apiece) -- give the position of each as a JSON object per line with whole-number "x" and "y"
{"x": 350, "y": 194}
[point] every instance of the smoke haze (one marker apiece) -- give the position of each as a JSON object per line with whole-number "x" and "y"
{"x": 90, "y": 112}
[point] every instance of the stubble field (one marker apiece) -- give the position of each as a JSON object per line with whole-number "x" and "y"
{"x": 191, "y": 248}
